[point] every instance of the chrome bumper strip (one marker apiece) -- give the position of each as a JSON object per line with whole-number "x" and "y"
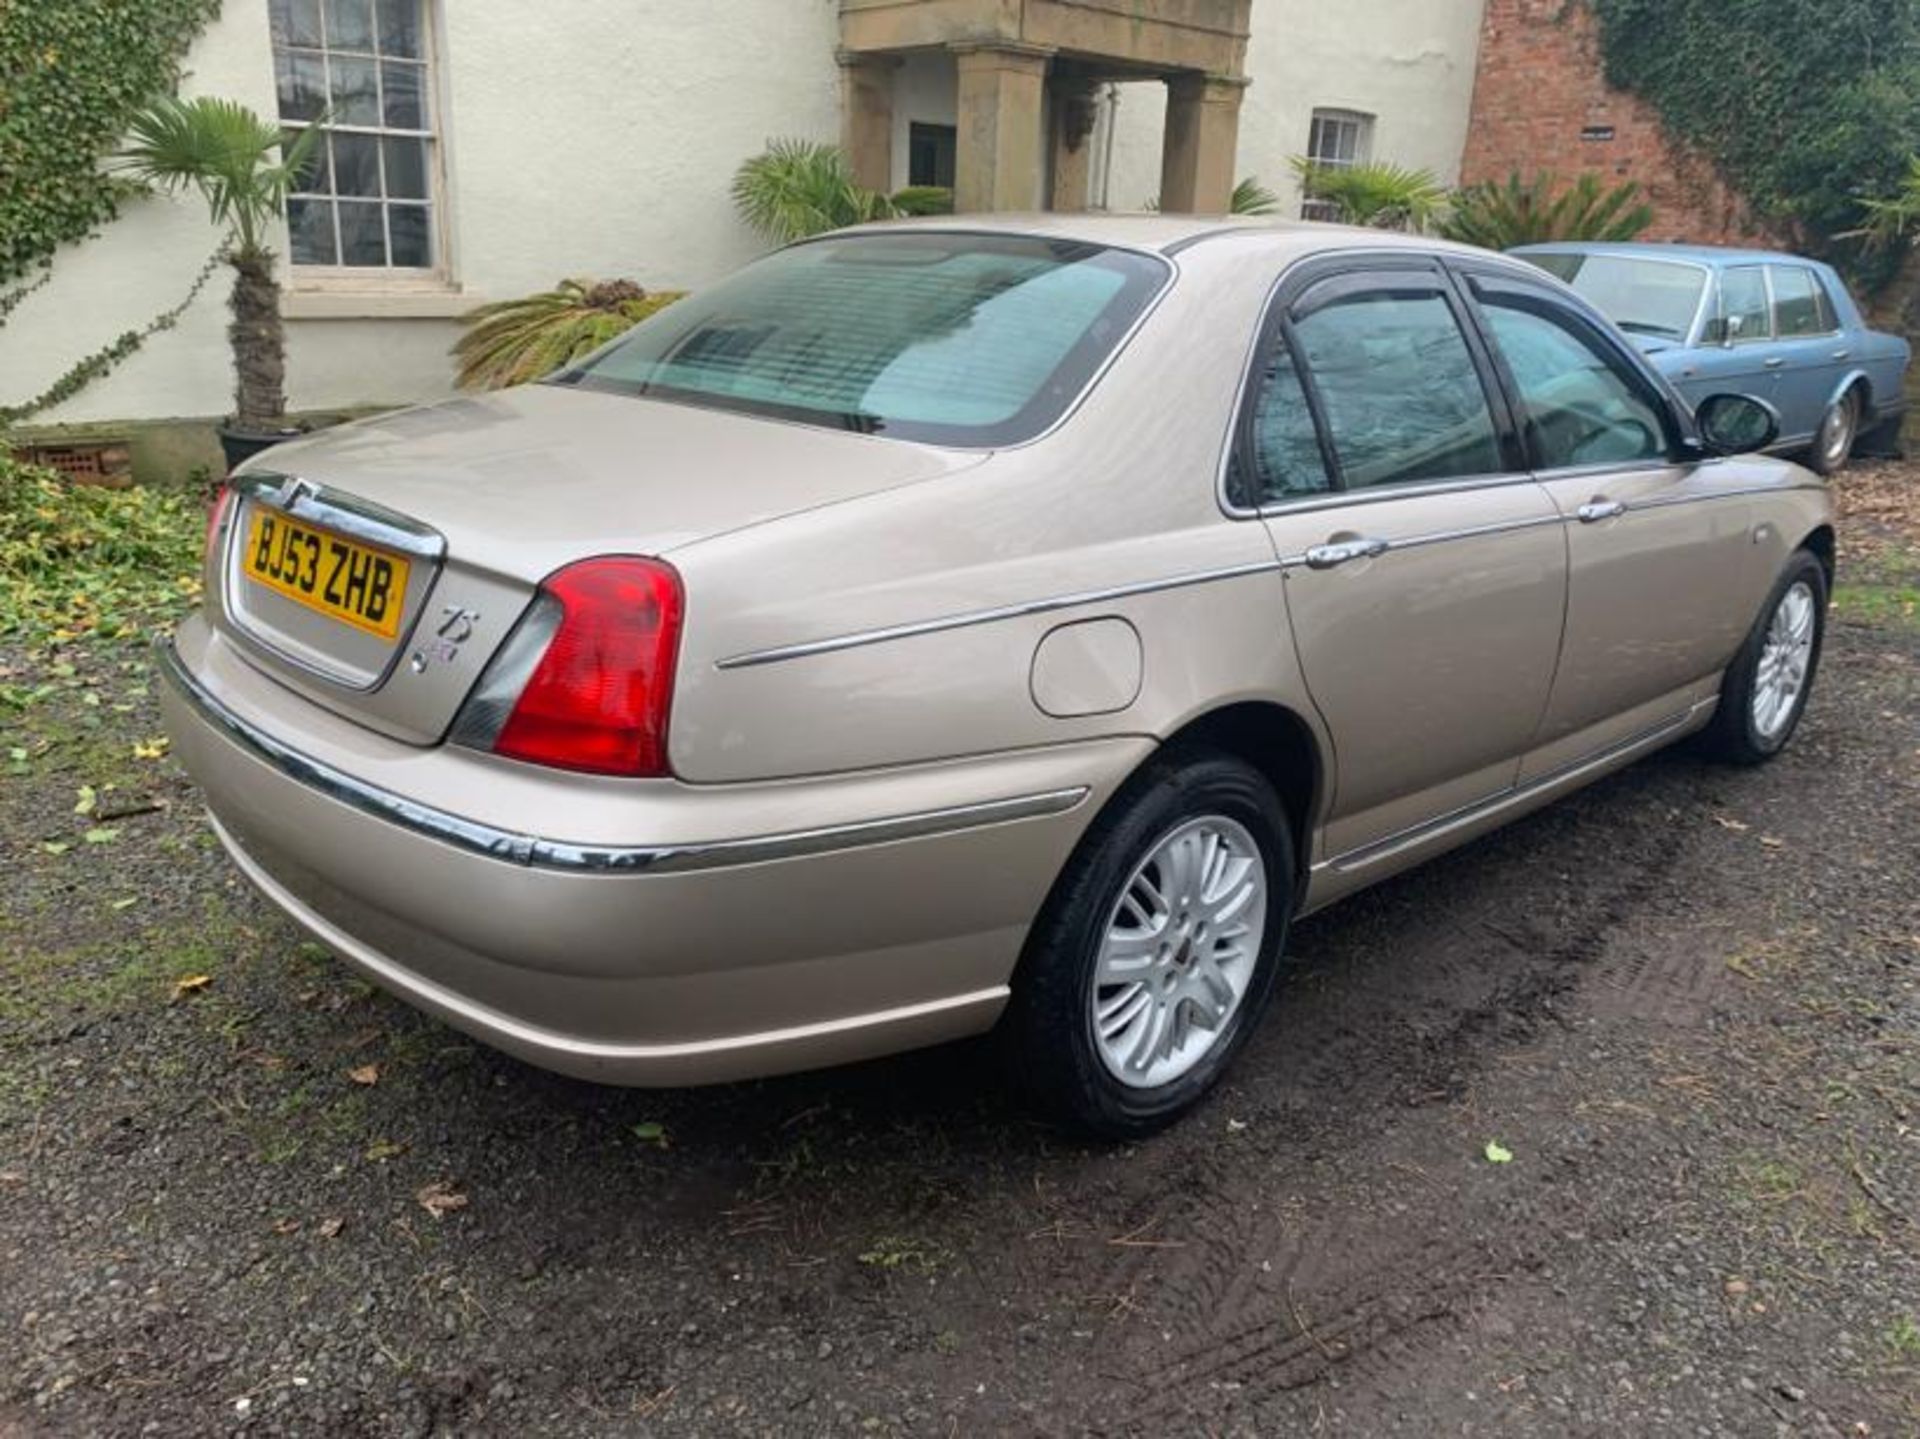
{"x": 537, "y": 853}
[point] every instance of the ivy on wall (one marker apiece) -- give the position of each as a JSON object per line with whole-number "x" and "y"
{"x": 72, "y": 72}
{"x": 1808, "y": 107}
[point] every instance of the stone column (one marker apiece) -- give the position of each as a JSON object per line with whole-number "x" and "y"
{"x": 1203, "y": 134}
{"x": 1073, "y": 116}
{"x": 1002, "y": 104}
{"x": 866, "y": 117}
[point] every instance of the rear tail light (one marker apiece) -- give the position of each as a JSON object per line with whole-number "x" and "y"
{"x": 216, "y": 523}
{"x": 585, "y": 681}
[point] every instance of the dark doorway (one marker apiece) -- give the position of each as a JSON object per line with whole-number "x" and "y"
{"x": 930, "y": 150}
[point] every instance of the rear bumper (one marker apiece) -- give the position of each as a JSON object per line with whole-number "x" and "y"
{"x": 682, "y": 934}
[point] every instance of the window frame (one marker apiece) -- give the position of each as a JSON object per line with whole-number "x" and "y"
{"x": 436, "y": 278}
{"x": 1625, "y": 363}
{"x": 1363, "y": 124}
{"x": 1328, "y": 279}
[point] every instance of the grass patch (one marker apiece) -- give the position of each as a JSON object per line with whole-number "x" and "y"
{"x": 1881, "y": 606}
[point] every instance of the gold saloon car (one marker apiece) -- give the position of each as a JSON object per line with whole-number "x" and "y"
{"x": 942, "y": 626}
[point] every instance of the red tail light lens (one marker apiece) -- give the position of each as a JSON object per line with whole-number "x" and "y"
{"x": 216, "y": 523}
{"x": 598, "y": 695}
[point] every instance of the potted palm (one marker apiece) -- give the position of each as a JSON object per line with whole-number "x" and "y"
{"x": 242, "y": 167}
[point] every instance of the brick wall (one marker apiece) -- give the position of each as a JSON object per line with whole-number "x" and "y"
{"x": 1542, "y": 102}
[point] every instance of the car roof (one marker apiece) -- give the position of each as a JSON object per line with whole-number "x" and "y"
{"x": 1167, "y": 234}
{"x": 1696, "y": 254}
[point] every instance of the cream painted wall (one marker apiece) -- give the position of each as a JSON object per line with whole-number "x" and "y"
{"x": 600, "y": 141}
{"x": 1409, "y": 63}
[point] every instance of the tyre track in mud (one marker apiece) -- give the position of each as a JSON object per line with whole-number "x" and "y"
{"x": 1247, "y": 1299}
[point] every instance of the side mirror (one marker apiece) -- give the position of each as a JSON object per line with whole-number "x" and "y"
{"x": 1736, "y": 424}
{"x": 1730, "y": 329}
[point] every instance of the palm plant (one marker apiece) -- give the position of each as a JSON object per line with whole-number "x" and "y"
{"x": 514, "y": 341}
{"x": 1380, "y": 195}
{"x": 796, "y": 188}
{"x": 1892, "y": 218}
{"x": 1250, "y": 197}
{"x": 1525, "y": 212}
{"x": 243, "y": 167}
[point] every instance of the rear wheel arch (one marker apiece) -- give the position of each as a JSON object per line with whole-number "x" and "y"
{"x": 1822, "y": 542}
{"x": 1278, "y": 743}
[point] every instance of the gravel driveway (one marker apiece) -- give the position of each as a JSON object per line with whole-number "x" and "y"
{"x": 239, "y": 1190}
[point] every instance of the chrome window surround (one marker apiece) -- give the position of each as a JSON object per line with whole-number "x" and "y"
{"x": 534, "y": 852}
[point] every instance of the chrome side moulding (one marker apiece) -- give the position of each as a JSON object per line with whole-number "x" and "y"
{"x": 1395, "y": 844}
{"x": 535, "y": 852}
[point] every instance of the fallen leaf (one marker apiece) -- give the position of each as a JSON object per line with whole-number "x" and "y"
{"x": 440, "y": 1198}
{"x": 381, "y": 1150}
{"x": 1234, "y": 1126}
{"x": 128, "y": 903}
{"x": 190, "y": 984}
{"x": 1771, "y": 843}
{"x": 87, "y": 799}
{"x": 1498, "y": 1153}
{"x": 329, "y": 1228}
{"x": 1736, "y": 1286}
{"x": 56, "y": 846}
{"x": 11, "y": 1179}
{"x": 1735, "y": 825}
{"x": 105, "y": 835}
{"x": 651, "y": 1131}
{"x": 365, "y": 1074}
{"x": 286, "y": 1226}
{"x": 151, "y": 748}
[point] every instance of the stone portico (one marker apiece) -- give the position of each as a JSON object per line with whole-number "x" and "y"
{"x": 1027, "y": 71}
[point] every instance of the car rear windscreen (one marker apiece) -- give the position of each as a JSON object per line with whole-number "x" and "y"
{"x": 949, "y": 338}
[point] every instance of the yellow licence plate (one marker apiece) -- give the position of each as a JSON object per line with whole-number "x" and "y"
{"x": 341, "y": 578}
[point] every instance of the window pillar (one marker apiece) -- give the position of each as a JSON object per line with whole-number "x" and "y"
{"x": 866, "y": 117}
{"x": 1202, "y": 138}
{"x": 1001, "y": 117}
{"x": 1073, "y": 115}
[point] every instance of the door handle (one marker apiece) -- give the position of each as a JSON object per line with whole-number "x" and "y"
{"x": 1332, "y": 555}
{"x": 1776, "y": 363}
{"x": 1843, "y": 354}
{"x": 1596, "y": 510}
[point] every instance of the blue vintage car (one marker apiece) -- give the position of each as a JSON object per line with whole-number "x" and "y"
{"x": 1779, "y": 327}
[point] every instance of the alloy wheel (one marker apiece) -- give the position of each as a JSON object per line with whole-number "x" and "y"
{"x": 1179, "y": 951}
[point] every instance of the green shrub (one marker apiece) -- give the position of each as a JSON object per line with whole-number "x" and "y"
{"x": 1530, "y": 212}
{"x": 80, "y": 561}
{"x": 923, "y": 200}
{"x": 514, "y": 341}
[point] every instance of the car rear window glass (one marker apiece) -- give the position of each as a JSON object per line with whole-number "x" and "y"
{"x": 963, "y": 339}
{"x": 1796, "y": 303}
{"x": 1397, "y": 384}
{"x": 1647, "y": 297}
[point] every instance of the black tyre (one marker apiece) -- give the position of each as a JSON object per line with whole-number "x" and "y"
{"x": 1839, "y": 430}
{"x": 1766, "y": 688}
{"x": 1156, "y": 952}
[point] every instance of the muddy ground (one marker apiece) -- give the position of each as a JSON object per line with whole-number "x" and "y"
{"x": 241, "y": 1191}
